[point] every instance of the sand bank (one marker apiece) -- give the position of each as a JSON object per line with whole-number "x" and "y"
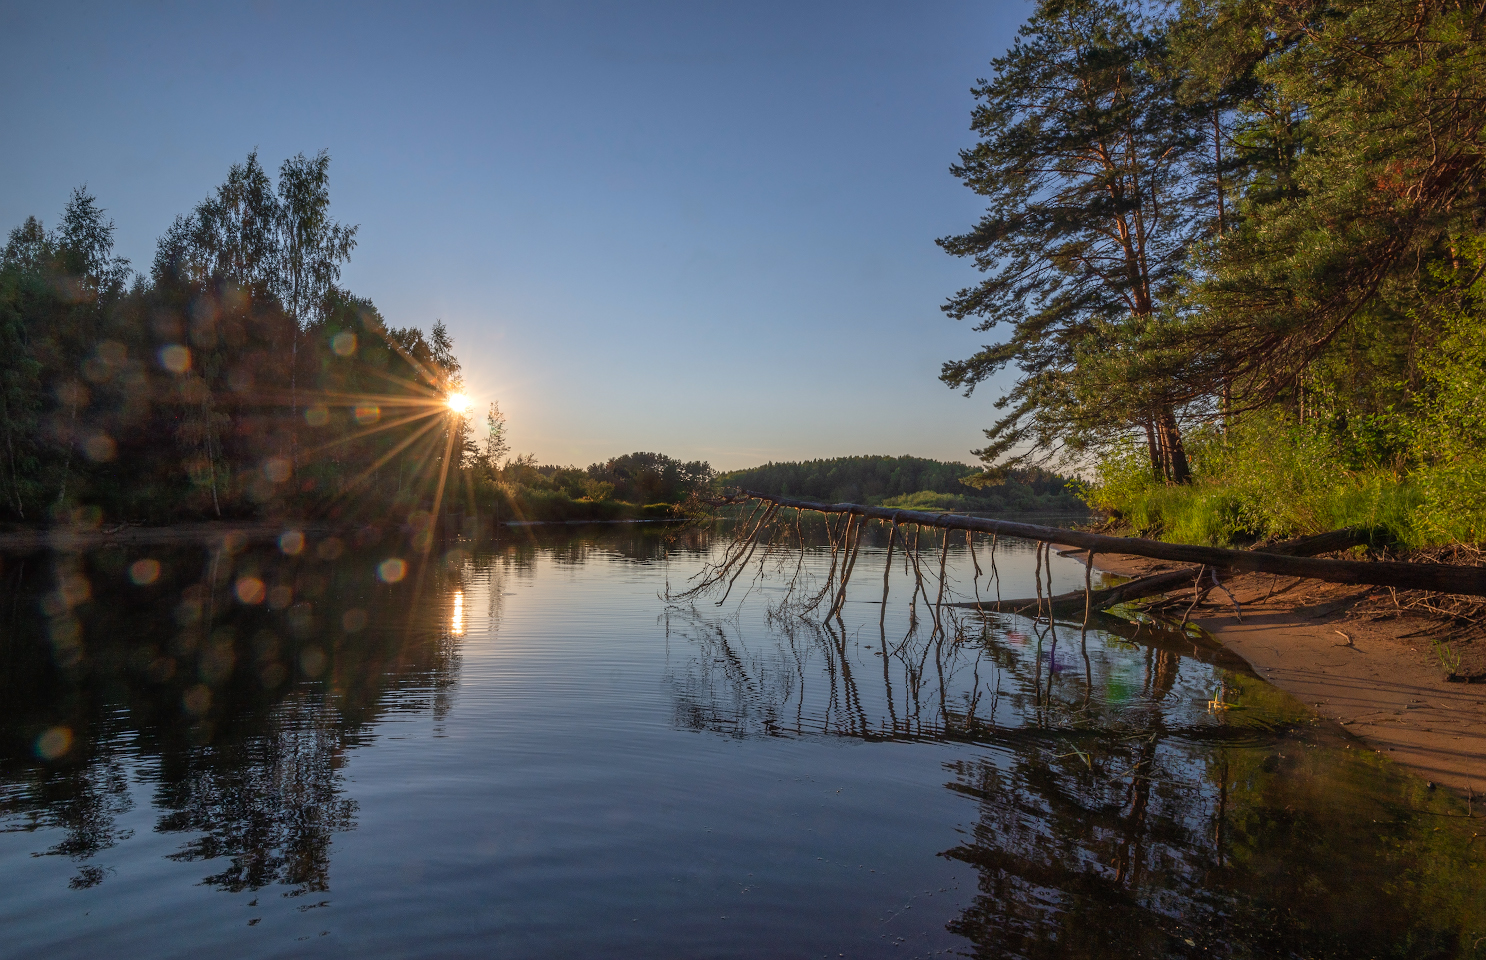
{"x": 1349, "y": 652}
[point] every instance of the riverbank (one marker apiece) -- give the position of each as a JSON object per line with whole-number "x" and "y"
{"x": 1380, "y": 670}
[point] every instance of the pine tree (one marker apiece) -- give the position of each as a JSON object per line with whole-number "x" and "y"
{"x": 1086, "y": 161}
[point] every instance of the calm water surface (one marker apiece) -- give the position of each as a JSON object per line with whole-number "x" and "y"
{"x": 521, "y": 749}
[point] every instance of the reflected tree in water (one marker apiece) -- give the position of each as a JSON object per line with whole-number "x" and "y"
{"x": 268, "y": 805}
{"x": 1117, "y": 812}
{"x": 84, "y": 800}
{"x": 240, "y": 713}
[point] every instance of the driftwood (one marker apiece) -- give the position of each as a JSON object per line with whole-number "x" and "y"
{"x": 1439, "y": 577}
{"x": 1082, "y": 600}
{"x": 1077, "y": 600}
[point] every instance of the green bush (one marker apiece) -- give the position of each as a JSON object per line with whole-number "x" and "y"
{"x": 1449, "y": 440}
{"x": 1265, "y": 480}
{"x": 1412, "y": 464}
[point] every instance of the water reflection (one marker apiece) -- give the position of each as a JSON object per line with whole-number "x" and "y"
{"x": 1163, "y": 848}
{"x": 230, "y": 677}
{"x": 1120, "y": 792}
{"x": 1146, "y": 799}
{"x": 267, "y": 804}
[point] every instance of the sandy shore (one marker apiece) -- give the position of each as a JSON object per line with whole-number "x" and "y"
{"x": 1358, "y": 660}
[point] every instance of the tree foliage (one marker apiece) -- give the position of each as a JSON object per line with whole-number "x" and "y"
{"x": 1319, "y": 168}
{"x": 237, "y": 378}
{"x": 1086, "y": 160}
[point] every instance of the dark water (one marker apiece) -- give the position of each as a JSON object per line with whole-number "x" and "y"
{"x": 522, "y": 750}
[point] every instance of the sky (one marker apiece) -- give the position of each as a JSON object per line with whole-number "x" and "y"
{"x": 700, "y": 229}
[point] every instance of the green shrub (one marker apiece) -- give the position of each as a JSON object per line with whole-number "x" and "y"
{"x": 1449, "y": 439}
{"x": 1265, "y": 480}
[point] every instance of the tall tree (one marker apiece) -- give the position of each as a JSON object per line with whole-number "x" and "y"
{"x": 89, "y": 280}
{"x": 232, "y": 235}
{"x": 1364, "y": 139}
{"x": 313, "y": 246}
{"x": 1086, "y": 160}
{"x": 313, "y": 249}
{"x": 26, "y": 251}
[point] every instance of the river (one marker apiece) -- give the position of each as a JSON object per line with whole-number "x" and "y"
{"x": 328, "y": 746}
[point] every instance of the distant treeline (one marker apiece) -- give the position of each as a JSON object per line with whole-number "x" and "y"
{"x": 632, "y": 478}
{"x": 634, "y": 486}
{"x": 911, "y": 482}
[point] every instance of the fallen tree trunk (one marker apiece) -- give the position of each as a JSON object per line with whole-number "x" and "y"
{"x": 1078, "y": 601}
{"x": 1438, "y": 577}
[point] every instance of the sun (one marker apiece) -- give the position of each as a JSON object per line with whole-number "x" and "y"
{"x": 457, "y": 402}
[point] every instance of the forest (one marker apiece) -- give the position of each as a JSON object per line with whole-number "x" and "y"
{"x": 913, "y": 483}
{"x": 1233, "y": 261}
{"x": 1233, "y": 257}
{"x": 235, "y": 378}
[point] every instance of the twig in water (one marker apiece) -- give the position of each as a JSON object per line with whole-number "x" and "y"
{"x": 918, "y": 572}
{"x": 994, "y": 572}
{"x": 847, "y": 566}
{"x": 970, "y": 539}
{"x": 887, "y": 569}
{"x": 1088, "y": 590}
{"x": 1037, "y": 576}
{"x": 1047, "y": 560}
{"x": 744, "y": 565}
{"x": 939, "y": 601}
{"x": 1083, "y": 633}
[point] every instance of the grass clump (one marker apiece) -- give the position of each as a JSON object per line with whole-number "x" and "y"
{"x": 1413, "y": 468}
{"x": 1003, "y": 499}
{"x": 1268, "y": 480}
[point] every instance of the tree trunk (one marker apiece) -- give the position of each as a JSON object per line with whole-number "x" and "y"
{"x": 1158, "y": 465}
{"x": 1080, "y": 600}
{"x": 1178, "y": 470}
{"x": 1440, "y": 577}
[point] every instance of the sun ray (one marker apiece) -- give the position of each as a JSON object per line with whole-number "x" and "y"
{"x": 438, "y": 495}
{"x": 411, "y": 360}
{"x": 351, "y": 484}
{"x": 426, "y": 457}
{"x": 432, "y": 529}
{"x": 401, "y": 381}
{"x": 338, "y": 399}
{"x": 361, "y": 396}
{"x": 369, "y": 431}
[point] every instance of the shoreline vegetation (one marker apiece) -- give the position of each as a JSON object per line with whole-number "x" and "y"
{"x": 1234, "y": 262}
{"x": 235, "y": 380}
{"x": 1234, "y": 259}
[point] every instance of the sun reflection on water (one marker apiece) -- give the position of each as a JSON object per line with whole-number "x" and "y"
{"x": 456, "y": 622}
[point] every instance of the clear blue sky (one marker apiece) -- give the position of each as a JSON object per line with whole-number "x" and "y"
{"x": 700, "y": 229}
